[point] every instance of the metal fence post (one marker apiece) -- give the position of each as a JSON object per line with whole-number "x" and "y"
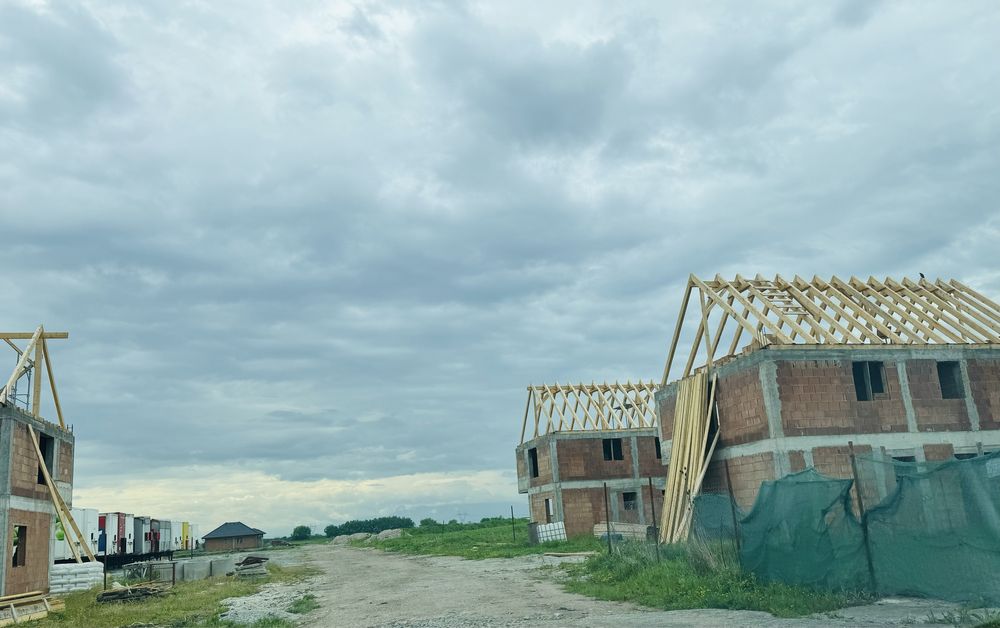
{"x": 864, "y": 518}
{"x": 513, "y": 529}
{"x": 656, "y": 527}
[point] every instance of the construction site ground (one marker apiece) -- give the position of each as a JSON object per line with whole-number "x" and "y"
{"x": 367, "y": 587}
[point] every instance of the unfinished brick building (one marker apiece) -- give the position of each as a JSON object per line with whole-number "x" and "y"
{"x": 586, "y": 436}
{"x": 905, "y": 369}
{"x": 27, "y": 505}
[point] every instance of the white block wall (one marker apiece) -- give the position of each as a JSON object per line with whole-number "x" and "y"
{"x": 68, "y": 577}
{"x": 552, "y": 532}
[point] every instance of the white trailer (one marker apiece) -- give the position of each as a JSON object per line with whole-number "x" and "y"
{"x": 129, "y": 534}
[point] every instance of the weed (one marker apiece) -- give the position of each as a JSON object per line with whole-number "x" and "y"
{"x": 303, "y": 605}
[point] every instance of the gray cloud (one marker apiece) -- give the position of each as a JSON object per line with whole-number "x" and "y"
{"x": 332, "y": 242}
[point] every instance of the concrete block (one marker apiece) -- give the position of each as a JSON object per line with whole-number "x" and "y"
{"x": 196, "y": 570}
{"x": 222, "y": 566}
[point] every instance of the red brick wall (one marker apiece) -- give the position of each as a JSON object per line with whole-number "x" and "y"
{"x": 939, "y": 452}
{"x": 65, "y": 465}
{"x": 24, "y": 466}
{"x": 536, "y": 505}
{"x": 796, "y": 461}
{"x": 747, "y": 473}
{"x": 34, "y": 575}
{"x": 818, "y": 397}
{"x": 237, "y": 543}
{"x": 544, "y": 465}
{"x": 932, "y": 412}
{"x": 742, "y": 417}
{"x": 984, "y": 380}
{"x": 649, "y": 464}
{"x": 583, "y": 459}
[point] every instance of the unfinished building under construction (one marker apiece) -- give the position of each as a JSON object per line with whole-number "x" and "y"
{"x": 780, "y": 375}
{"x": 810, "y": 369}
{"x": 36, "y": 474}
{"x": 583, "y": 437}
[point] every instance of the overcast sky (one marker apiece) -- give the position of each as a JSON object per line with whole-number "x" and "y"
{"x": 310, "y": 254}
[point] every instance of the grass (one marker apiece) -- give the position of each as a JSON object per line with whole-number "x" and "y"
{"x": 303, "y": 605}
{"x": 691, "y": 577}
{"x": 487, "y": 539}
{"x": 187, "y": 604}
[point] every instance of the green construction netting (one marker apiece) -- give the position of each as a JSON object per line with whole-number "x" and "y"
{"x": 715, "y": 516}
{"x": 933, "y": 529}
{"x": 801, "y": 530}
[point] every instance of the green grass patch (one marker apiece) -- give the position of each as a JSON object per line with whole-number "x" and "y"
{"x": 194, "y": 603}
{"x": 303, "y": 605}
{"x": 490, "y": 538}
{"x": 687, "y": 578}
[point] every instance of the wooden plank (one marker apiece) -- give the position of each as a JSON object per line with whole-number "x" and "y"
{"x": 26, "y": 335}
{"x": 524, "y": 424}
{"x": 807, "y": 303}
{"x": 36, "y": 384}
{"x": 19, "y": 367}
{"x": 677, "y": 332}
{"x": 768, "y": 305}
{"x": 986, "y": 305}
{"x": 966, "y": 304}
{"x": 815, "y": 291}
{"x": 853, "y": 298}
{"x": 892, "y": 306}
{"x": 968, "y": 323}
{"x": 915, "y": 314}
{"x": 760, "y": 316}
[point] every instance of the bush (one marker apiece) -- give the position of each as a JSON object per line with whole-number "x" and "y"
{"x": 330, "y": 531}
{"x": 301, "y": 533}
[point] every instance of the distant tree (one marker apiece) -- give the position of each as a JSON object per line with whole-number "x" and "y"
{"x": 428, "y": 523}
{"x": 301, "y": 533}
{"x": 331, "y": 531}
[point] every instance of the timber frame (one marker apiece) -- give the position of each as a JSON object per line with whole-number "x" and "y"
{"x": 589, "y": 407}
{"x": 830, "y": 312}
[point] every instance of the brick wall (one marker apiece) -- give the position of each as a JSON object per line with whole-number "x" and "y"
{"x": 747, "y": 473}
{"x": 237, "y": 543}
{"x": 583, "y": 459}
{"x": 939, "y": 452}
{"x": 796, "y": 461}
{"x": 582, "y": 508}
{"x": 24, "y": 466}
{"x": 544, "y": 464}
{"x": 742, "y": 417}
{"x": 649, "y": 464}
{"x": 34, "y": 574}
{"x": 65, "y": 465}
{"x": 984, "y": 380}
{"x": 536, "y": 506}
{"x": 932, "y": 412}
{"x": 818, "y": 397}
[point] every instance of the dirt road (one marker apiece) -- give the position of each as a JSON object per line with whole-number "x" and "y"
{"x": 365, "y": 588}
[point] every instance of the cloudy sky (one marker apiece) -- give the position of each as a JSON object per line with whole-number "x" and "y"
{"x": 310, "y": 254}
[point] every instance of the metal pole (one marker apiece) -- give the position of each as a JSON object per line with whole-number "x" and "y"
{"x": 513, "y": 530}
{"x": 607, "y": 515}
{"x": 105, "y": 561}
{"x": 656, "y": 527}
{"x": 864, "y": 518}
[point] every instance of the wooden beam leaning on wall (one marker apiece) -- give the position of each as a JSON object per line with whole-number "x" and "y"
{"x": 57, "y": 501}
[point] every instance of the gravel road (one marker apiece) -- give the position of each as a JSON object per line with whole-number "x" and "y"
{"x": 367, "y": 588}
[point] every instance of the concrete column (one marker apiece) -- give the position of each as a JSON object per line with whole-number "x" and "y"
{"x": 970, "y": 403}
{"x": 772, "y": 398}
{"x": 640, "y": 500}
{"x": 904, "y": 390}
{"x": 557, "y": 505}
{"x": 807, "y": 456}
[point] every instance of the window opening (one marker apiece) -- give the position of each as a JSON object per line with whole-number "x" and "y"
{"x": 869, "y": 380}
{"x": 548, "y": 510}
{"x": 47, "y": 444}
{"x": 20, "y": 546}
{"x": 630, "y": 501}
{"x": 533, "y": 461}
{"x": 613, "y": 449}
{"x": 659, "y": 452}
{"x": 950, "y": 377}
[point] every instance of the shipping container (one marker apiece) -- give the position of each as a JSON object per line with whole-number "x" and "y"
{"x": 176, "y": 529}
{"x": 143, "y": 538}
{"x": 129, "y": 534}
{"x": 186, "y": 535}
{"x": 87, "y": 521}
{"x": 195, "y": 530}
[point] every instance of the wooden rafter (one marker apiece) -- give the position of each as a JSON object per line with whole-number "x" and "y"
{"x": 589, "y": 407}
{"x": 827, "y": 312}
{"x": 31, "y": 359}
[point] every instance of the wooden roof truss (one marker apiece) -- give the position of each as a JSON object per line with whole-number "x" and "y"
{"x": 589, "y": 407}
{"x": 835, "y": 311}
{"x": 32, "y": 358}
